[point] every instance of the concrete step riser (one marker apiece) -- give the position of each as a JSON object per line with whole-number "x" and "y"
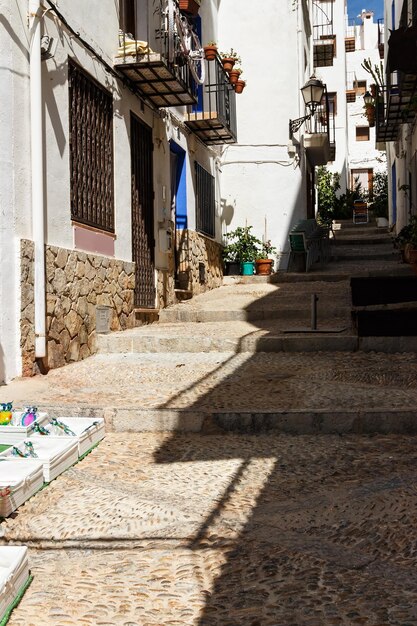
{"x": 290, "y": 313}
{"x": 383, "y": 256}
{"x": 288, "y": 342}
{"x": 294, "y": 422}
{"x": 360, "y": 230}
{"x": 285, "y": 343}
{"x": 362, "y": 242}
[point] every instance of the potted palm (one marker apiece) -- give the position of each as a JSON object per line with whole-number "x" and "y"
{"x": 242, "y": 247}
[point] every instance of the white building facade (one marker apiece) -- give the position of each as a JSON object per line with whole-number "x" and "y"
{"x": 397, "y": 120}
{"x": 120, "y": 171}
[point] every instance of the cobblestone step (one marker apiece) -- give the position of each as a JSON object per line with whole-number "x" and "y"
{"x": 285, "y": 311}
{"x": 209, "y": 422}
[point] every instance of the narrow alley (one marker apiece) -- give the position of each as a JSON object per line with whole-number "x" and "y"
{"x": 235, "y": 485}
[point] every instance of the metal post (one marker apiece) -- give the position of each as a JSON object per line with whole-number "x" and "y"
{"x": 314, "y": 299}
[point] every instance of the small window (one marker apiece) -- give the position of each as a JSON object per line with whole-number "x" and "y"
{"x": 205, "y": 201}
{"x": 362, "y": 133}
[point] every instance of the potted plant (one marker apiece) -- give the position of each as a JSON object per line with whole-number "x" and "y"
{"x": 210, "y": 51}
{"x": 263, "y": 261}
{"x": 229, "y": 59}
{"x": 402, "y": 240}
{"x": 406, "y": 241}
{"x": 242, "y": 247}
{"x": 240, "y": 85}
{"x": 234, "y": 75}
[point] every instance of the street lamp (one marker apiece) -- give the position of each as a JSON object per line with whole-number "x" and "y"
{"x": 368, "y": 99}
{"x": 312, "y": 93}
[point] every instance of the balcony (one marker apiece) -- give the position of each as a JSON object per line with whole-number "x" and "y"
{"x": 395, "y": 105}
{"x": 213, "y": 119}
{"x": 350, "y": 39}
{"x": 324, "y": 39}
{"x": 397, "y": 101}
{"x": 320, "y": 136}
{"x": 153, "y": 60}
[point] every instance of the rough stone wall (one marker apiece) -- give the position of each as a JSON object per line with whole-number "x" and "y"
{"x": 166, "y": 285}
{"x": 193, "y": 249}
{"x": 76, "y": 282}
{"x": 27, "y": 308}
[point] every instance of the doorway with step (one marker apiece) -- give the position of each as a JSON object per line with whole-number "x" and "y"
{"x": 143, "y": 242}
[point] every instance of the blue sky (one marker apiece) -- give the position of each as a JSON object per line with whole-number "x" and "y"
{"x": 356, "y": 6}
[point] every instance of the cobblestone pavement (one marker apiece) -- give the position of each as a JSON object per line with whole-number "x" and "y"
{"x": 226, "y": 381}
{"x": 179, "y": 530}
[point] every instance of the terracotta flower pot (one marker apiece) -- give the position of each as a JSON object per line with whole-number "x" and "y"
{"x": 228, "y": 63}
{"x": 210, "y": 52}
{"x": 264, "y": 267}
{"x": 190, "y": 7}
{"x": 234, "y": 76}
{"x": 239, "y": 86}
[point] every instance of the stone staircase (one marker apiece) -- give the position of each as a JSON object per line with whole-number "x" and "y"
{"x": 274, "y": 314}
{"x": 244, "y": 357}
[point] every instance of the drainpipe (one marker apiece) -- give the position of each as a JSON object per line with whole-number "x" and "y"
{"x": 36, "y": 131}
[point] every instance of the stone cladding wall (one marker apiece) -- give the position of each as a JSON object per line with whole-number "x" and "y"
{"x": 193, "y": 249}
{"x": 76, "y": 283}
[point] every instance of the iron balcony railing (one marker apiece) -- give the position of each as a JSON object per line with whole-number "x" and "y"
{"x": 397, "y": 99}
{"x": 152, "y": 57}
{"x": 324, "y": 38}
{"x": 213, "y": 117}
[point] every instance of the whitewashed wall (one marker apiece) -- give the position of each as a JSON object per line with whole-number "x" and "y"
{"x": 14, "y": 175}
{"x": 363, "y": 154}
{"x": 259, "y": 181}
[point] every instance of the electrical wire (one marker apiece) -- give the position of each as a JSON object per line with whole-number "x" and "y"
{"x": 90, "y": 48}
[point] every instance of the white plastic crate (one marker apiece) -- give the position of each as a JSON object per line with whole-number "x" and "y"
{"x": 14, "y": 575}
{"x": 87, "y": 430}
{"x": 18, "y": 482}
{"x": 56, "y": 454}
{"x": 14, "y": 432}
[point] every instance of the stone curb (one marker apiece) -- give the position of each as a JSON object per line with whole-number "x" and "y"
{"x": 291, "y": 342}
{"x": 295, "y": 422}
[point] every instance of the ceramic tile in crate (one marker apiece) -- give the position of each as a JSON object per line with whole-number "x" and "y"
{"x": 14, "y": 431}
{"x": 18, "y": 482}
{"x": 14, "y": 576}
{"x": 87, "y": 430}
{"x": 56, "y": 453}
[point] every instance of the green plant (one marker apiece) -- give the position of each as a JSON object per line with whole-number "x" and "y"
{"x": 266, "y": 251}
{"x": 242, "y": 245}
{"x": 231, "y": 54}
{"x": 379, "y": 199}
{"x": 403, "y": 237}
{"x": 407, "y": 235}
{"x": 328, "y": 185}
{"x": 331, "y": 204}
{"x": 376, "y": 71}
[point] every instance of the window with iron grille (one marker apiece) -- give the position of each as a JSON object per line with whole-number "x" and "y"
{"x": 205, "y": 201}
{"x": 91, "y": 151}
